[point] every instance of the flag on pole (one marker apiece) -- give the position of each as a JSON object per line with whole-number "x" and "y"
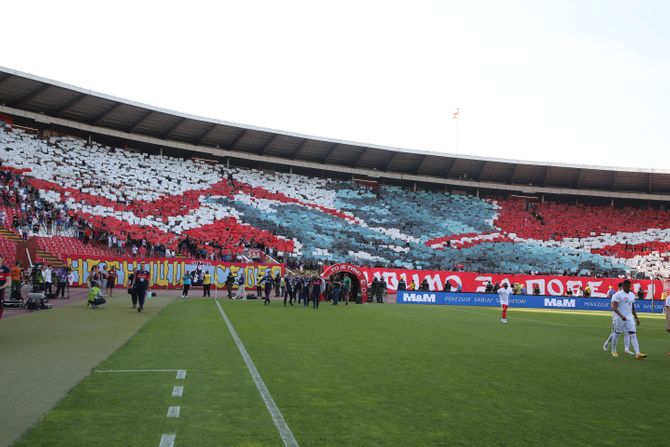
{"x": 456, "y": 113}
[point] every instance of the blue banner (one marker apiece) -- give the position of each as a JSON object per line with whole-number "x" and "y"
{"x": 525, "y": 301}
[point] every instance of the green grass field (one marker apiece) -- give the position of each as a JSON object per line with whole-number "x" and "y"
{"x": 370, "y": 375}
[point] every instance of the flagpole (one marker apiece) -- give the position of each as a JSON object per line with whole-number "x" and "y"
{"x": 457, "y": 135}
{"x": 456, "y": 117}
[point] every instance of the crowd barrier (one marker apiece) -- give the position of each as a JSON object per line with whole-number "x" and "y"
{"x": 523, "y": 301}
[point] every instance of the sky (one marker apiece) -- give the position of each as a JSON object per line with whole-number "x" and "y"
{"x": 580, "y": 82}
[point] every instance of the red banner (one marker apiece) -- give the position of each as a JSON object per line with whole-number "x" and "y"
{"x": 476, "y": 282}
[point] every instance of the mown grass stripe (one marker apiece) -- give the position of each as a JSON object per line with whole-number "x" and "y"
{"x": 277, "y": 417}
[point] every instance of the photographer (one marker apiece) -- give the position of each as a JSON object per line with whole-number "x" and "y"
{"x": 230, "y": 281}
{"x": 37, "y": 278}
{"x": 95, "y": 297}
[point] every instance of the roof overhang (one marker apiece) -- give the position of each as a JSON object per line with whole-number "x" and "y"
{"x": 55, "y": 103}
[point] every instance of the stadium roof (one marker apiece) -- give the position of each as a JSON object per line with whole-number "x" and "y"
{"x": 56, "y": 103}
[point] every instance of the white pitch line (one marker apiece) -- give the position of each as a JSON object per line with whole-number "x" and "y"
{"x": 135, "y": 370}
{"x": 167, "y": 440}
{"x": 181, "y": 374}
{"x": 277, "y": 418}
{"x": 177, "y": 391}
{"x": 173, "y": 412}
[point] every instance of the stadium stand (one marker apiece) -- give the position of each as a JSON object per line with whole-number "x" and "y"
{"x": 97, "y": 192}
{"x": 63, "y": 246}
{"x": 7, "y": 250}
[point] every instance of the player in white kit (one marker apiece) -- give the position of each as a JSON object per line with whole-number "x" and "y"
{"x": 623, "y": 305}
{"x": 626, "y": 335}
{"x": 503, "y": 294}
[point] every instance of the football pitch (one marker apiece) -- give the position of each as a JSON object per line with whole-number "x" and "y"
{"x": 366, "y": 375}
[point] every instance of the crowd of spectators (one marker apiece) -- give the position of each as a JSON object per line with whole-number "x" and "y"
{"x": 29, "y": 214}
{"x": 26, "y": 212}
{"x": 145, "y": 205}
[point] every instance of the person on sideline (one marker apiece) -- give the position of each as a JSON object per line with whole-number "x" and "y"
{"x": 61, "y": 282}
{"x": 15, "y": 275}
{"x": 241, "y": 283}
{"x": 95, "y": 297}
{"x": 316, "y": 291}
{"x": 337, "y": 289}
{"x": 289, "y": 291}
{"x": 206, "y": 284}
{"x": 4, "y": 283}
{"x": 186, "y": 282}
{"x": 346, "y": 289}
{"x": 141, "y": 286}
{"x": 47, "y": 272}
{"x": 131, "y": 289}
{"x": 268, "y": 283}
{"x": 111, "y": 280}
{"x": 230, "y": 281}
{"x": 503, "y": 293}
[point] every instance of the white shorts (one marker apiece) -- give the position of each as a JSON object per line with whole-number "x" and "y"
{"x": 624, "y": 326}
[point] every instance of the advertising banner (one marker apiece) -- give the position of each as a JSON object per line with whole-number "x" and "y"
{"x": 476, "y": 282}
{"x": 168, "y": 273}
{"x": 523, "y": 301}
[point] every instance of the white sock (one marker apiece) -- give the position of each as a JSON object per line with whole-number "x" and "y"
{"x": 609, "y": 340}
{"x": 615, "y": 341}
{"x": 626, "y": 341}
{"x": 636, "y": 345}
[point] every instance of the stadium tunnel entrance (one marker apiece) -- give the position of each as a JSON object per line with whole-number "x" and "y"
{"x": 358, "y": 280}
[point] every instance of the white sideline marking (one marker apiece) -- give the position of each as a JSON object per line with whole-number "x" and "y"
{"x": 136, "y": 370}
{"x": 277, "y": 418}
{"x": 167, "y": 440}
{"x": 181, "y": 374}
{"x": 173, "y": 412}
{"x": 177, "y": 391}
